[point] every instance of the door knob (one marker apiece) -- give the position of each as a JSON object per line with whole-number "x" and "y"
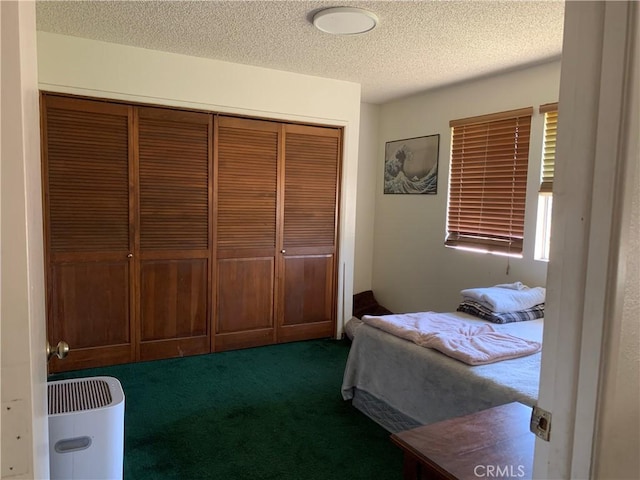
{"x": 283, "y": 251}
{"x": 60, "y": 350}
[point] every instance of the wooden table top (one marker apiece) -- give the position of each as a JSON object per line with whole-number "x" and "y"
{"x": 494, "y": 443}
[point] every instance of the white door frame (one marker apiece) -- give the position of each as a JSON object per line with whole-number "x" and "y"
{"x": 582, "y": 276}
{"x": 25, "y": 439}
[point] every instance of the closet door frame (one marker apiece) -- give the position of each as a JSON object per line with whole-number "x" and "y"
{"x": 135, "y": 254}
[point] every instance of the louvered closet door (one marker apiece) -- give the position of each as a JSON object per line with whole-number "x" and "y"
{"x": 308, "y": 279}
{"x": 173, "y": 165}
{"x": 247, "y": 178}
{"x": 88, "y": 238}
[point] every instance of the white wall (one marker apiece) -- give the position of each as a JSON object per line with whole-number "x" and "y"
{"x": 365, "y": 206}
{"x": 75, "y": 65}
{"x": 24, "y": 421}
{"x": 412, "y": 269}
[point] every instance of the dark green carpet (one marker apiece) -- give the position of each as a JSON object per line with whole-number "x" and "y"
{"x": 264, "y": 413}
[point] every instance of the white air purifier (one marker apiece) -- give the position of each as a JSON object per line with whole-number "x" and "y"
{"x": 86, "y": 429}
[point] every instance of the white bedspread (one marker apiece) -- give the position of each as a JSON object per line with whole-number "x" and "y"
{"x": 428, "y": 386}
{"x": 471, "y": 343}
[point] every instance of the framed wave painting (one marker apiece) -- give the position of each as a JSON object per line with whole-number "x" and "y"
{"x": 411, "y": 165}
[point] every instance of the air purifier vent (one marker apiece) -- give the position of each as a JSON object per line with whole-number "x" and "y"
{"x": 78, "y": 396}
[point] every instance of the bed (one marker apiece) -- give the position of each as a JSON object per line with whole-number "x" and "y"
{"x": 402, "y": 385}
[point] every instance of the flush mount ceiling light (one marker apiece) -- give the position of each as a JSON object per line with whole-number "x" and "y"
{"x": 345, "y": 20}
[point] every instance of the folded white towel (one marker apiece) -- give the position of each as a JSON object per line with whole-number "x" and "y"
{"x": 470, "y": 342}
{"x": 513, "y": 286}
{"x": 503, "y": 299}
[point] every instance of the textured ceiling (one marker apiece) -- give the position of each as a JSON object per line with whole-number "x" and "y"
{"x": 416, "y": 46}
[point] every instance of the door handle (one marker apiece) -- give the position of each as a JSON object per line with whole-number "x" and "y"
{"x": 283, "y": 251}
{"x": 61, "y": 350}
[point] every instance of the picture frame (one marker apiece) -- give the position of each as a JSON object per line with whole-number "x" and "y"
{"x": 411, "y": 165}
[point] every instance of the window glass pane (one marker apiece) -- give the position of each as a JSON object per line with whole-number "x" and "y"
{"x": 543, "y": 231}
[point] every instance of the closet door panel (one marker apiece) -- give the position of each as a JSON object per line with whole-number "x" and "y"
{"x": 93, "y": 298}
{"x": 246, "y": 232}
{"x": 173, "y": 299}
{"x": 174, "y": 175}
{"x": 174, "y": 180}
{"x": 307, "y": 309}
{"x": 88, "y": 220}
{"x": 311, "y": 174}
{"x": 245, "y": 301}
{"x": 173, "y": 308}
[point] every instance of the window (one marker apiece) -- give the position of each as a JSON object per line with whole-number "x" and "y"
{"x": 545, "y": 200}
{"x": 488, "y": 182}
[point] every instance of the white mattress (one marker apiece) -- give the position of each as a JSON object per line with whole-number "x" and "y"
{"x": 428, "y": 386}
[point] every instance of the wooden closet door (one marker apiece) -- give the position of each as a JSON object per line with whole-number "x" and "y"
{"x": 247, "y": 184}
{"x": 174, "y": 236}
{"x": 88, "y": 233}
{"x": 308, "y": 254}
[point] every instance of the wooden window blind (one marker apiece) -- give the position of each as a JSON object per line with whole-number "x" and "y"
{"x": 550, "y": 111}
{"x": 487, "y": 191}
